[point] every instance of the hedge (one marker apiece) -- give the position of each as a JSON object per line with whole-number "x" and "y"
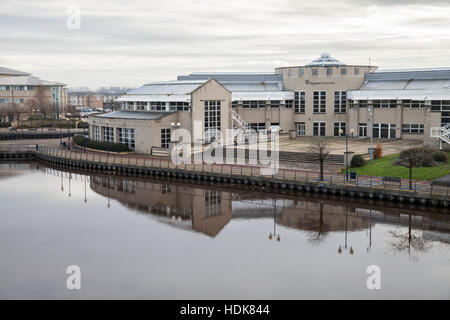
{"x": 5, "y": 124}
{"x": 100, "y": 145}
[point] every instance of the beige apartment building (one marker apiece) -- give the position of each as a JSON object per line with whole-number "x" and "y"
{"x": 22, "y": 94}
{"x": 85, "y": 100}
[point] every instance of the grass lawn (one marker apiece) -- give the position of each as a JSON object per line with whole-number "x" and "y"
{"x": 384, "y": 168}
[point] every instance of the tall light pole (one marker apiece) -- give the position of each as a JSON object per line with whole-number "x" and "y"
{"x": 371, "y": 132}
{"x": 175, "y": 127}
{"x": 341, "y": 132}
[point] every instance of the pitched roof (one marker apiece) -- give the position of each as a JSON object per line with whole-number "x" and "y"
{"x": 13, "y": 72}
{"x": 27, "y": 80}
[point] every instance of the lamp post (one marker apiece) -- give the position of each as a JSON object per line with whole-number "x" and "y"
{"x": 371, "y": 132}
{"x": 341, "y": 132}
{"x": 175, "y": 127}
{"x": 274, "y": 222}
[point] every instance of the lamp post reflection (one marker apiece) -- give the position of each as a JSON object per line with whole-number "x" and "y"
{"x": 346, "y": 231}
{"x": 70, "y": 190}
{"x": 62, "y": 181}
{"x": 274, "y": 222}
{"x": 85, "y": 187}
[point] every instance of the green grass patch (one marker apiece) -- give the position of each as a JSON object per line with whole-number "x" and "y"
{"x": 384, "y": 168}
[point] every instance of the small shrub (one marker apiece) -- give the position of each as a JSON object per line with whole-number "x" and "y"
{"x": 358, "y": 161}
{"x": 100, "y": 145}
{"x": 440, "y": 156}
{"x": 378, "y": 151}
{"x": 5, "y": 124}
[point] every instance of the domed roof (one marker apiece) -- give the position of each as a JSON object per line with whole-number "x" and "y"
{"x": 325, "y": 60}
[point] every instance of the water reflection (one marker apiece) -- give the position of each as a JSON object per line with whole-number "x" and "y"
{"x": 161, "y": 238}
{"x": 207, "y": 210}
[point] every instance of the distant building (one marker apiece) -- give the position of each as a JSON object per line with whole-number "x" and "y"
{"x": 85, "y": 100}
{"x": 22, "y": 93}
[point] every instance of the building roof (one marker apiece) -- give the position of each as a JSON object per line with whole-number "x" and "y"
{"x": 235, "y": 77}
{"x": 27, "y": 80}
{"x": 155, "y": 98}
{"x": 262, "y": 96}
{"x": 409, "y": 74}
{"x": 407, "y": 85}
{"x": 325, "y": 60}
{"x": 424, "y": 95}
{"x": 13, "y": 72}
{"x": 134, "y": 115}
{"x": 168, "y": 88}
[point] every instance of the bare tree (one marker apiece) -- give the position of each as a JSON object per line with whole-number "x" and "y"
{"x": 318, "y": 229}
{"x": 43, "y": 101}
{"x": 319, "y": 149}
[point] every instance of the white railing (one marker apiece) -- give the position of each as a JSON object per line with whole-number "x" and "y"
{"x": 442, "y": 133}
{"x": 239, "y": 121}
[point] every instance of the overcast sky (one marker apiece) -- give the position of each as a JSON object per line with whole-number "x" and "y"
{"x": 128, "y": 43}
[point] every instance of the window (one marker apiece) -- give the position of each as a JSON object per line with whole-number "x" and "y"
{"x": 339, "y": 126}
{"x": 329, "y": 71}
{"x": 413, "y": 104}
{"x": 384, "y": 130}
{"x": 356, "y": 71}
{"x": 254, "y": 104}
{"x": 319, "y": 102}
{"x": 299, "y": 102}
{"x": 158, "y": 106}
{"x": 288, "y": 104}
{"x": 362, "y": 130}
{"x": 127, "y": 136}
{"x": 343, "y": 71}
{"x": 165, "y": 138}
{"x": 301, "y": 72}
{"x": 212, "y": 120}
{"x": 130, "y": 105}
{"x": 180, "y": 106}
{"x": 257, "y": 126}
{"x": 289, "y": 72}
{"x": 300, "y": 128}
{"x": 234, "y": 104}
{"x": 319, "y": 129}
{"x": 140, "y": 106}
{"x": 108, "y": 134}
{"x": 96, "y": 133}
{"x": 315, "y": 72}
{"x": 385, "y": 103}
{"x": 275, "y": 104}
{"x": 413, "y": 128}
{"x": 340, "y": 101}
{"x": 4, "y": 100}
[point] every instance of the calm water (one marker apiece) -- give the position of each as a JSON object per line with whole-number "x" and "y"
{"x": 149, "y": 238}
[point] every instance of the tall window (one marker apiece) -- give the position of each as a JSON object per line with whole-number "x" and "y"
{"x": 343, "y": 71}
{"x": 319, "y": 129}
{"x": 96, "y": 133}
{"x": 315, "y": 72}
{"x": 340, "y": 101}
{"x": 319, "y": 104}
{"x": 329, "y": 71}
{"x": 299, "y": 102}
{"x": 165, "y": 138}
{"x": 127, "y": 136}
{"x": 212, "y": 120}
{"x": 356, "y": 70}
{"x": 362, "y": 130}
{"x": 108, "y": 134}
{"x": 339, "y": 126}
{"x": 301, "y": 128}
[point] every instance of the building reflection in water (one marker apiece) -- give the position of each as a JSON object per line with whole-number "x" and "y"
{"x": 208, "y": 209}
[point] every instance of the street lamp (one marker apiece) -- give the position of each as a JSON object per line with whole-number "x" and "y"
{"x": 175, "y": 127}
{"x": 371, "y": 132}
{"x": 274, "y": 223}
{"x": 341, "y": 132}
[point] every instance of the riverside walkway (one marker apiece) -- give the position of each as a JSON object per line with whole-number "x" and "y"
{"x": 401, "y": 190}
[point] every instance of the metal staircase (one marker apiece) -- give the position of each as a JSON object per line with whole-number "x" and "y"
{"x": 239, "y": 122}
{"x": 442, "y": 133}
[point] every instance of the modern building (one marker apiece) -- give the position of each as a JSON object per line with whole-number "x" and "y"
{"x": 21, "y": 91}
{"x": 323, "y": 98}
{"x": 403, "y": 104}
